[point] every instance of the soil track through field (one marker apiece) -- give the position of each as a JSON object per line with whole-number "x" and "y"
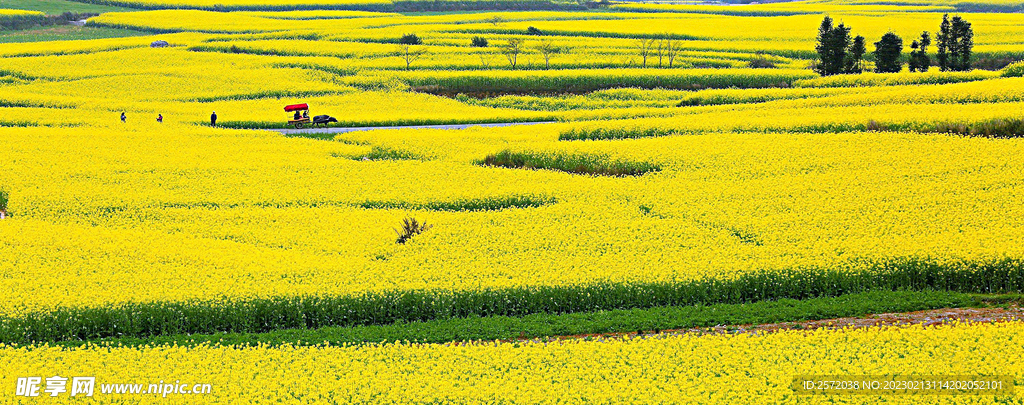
{"x": 342, "y": 130}
{"x": 927, "y": 318}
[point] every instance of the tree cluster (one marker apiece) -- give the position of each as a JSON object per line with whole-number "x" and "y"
{"x": 839, "y": 54}
{"x": 955, "y": 41}
{"x": 919, "y": 60}
{"x": 664, "y": 47}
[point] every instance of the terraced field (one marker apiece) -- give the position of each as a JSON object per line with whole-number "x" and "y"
{"x": 687, "y": 168}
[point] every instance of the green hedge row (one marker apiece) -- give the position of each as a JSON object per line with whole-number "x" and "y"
{"x": 381, "y": 308}
{"x": 22, "y": 21}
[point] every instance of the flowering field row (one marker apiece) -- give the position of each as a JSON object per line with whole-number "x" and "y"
{"x": 183, "y": 213}
{"x": 655, "y": 369}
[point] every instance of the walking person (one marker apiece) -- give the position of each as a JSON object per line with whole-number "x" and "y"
{"x": 160, "y": 118}
{"x": 213, "y": 119}
{"x": 123, "y": 117}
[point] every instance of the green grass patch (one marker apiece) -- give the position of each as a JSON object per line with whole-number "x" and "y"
{"x": 476, "y": 204}
{"x": 466, "y": 204}
{"x": 391, "y": 6}
{"x": 313, "y": 135}
{"x": 579, "y": 81}
{"x": 54, "y": 7}
{"x": 602, "y": 133}
{"x": 995, "y": 128}
{"x": 276, "y": 94}
{"x": 897, "y": 79}
{"x": 656, "y": 319}
{"x": 385, "y": 153}
{"x": 143, "y": 320}
{"x": 599, "y": 165}
{"x": 64, "y": 33}
{"x": 384, "y": 122}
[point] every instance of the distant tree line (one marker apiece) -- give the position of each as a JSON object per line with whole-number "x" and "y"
{"x": 838, "y": 53}
{"x": 410, "y": 48}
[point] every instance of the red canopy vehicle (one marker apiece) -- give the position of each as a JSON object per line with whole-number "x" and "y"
{"x": 298, "y": 120}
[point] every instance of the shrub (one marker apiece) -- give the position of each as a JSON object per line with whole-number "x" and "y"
{"x": 761, "y": 62}
{"x": 411, "y": 227}
{"x": 997, "y": 128}
{"x": 992, "y": 62}
{"x": 479, "y": 42}
{"x": 22, "y": 20}
{"x": 410, "y": 39}
{"x": 5, "y": 197}
{"x": 533, "y": 31}
{"x": 1014, "y": 70}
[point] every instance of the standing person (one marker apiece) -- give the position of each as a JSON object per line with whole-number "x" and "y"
{"x": 160, "y": 118}
{"x": 123, "y": 117}
{"x": 213, "y": 119}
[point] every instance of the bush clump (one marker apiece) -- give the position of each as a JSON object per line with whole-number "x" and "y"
{"x": 761, "y": 62}
{"x": 410, "y": 39}
{"x": 479, "y": 42}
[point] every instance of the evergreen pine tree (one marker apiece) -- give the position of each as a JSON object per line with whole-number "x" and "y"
{"x": 836, "y": 51}
{"x": 888, "y": 51}
{"x": 919, "y": 60}
{"x": 963, "y": 36}
{"x": 826, "y": 53}
{"x": 943, "y": 40}
{"x": 855, "y": 54}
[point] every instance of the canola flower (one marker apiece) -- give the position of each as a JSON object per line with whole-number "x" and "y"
{"x": 761, "y": 177}
{"x": 188, "y": 214}
{"x": 654, "y": 369}
{"x": 769, "y": 179}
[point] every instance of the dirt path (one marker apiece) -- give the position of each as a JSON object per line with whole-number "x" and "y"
{"x": 927, "y": 318}
{"x": 342, "y": 130}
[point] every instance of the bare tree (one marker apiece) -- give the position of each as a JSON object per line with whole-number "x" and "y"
{"x": 496, "y": 20}
{"x": 547, "y": 49}
{"x": 410, "y": 53}
{"x": 660, "y": 47}
{"x": 511, "y": 50}
{"x": 644, "y": 46}
{"x": 671, "y": 49}
{"x": 485, "y": 59}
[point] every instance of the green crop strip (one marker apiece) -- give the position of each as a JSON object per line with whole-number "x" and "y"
{"x": 577, "y": 164}
{"x": 645, "y": 320}
{"x": 381, "y": 308}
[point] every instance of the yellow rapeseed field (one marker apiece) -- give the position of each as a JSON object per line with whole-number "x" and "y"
{"x": 657, "y": 369}
{"x": 684, "y": 149}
